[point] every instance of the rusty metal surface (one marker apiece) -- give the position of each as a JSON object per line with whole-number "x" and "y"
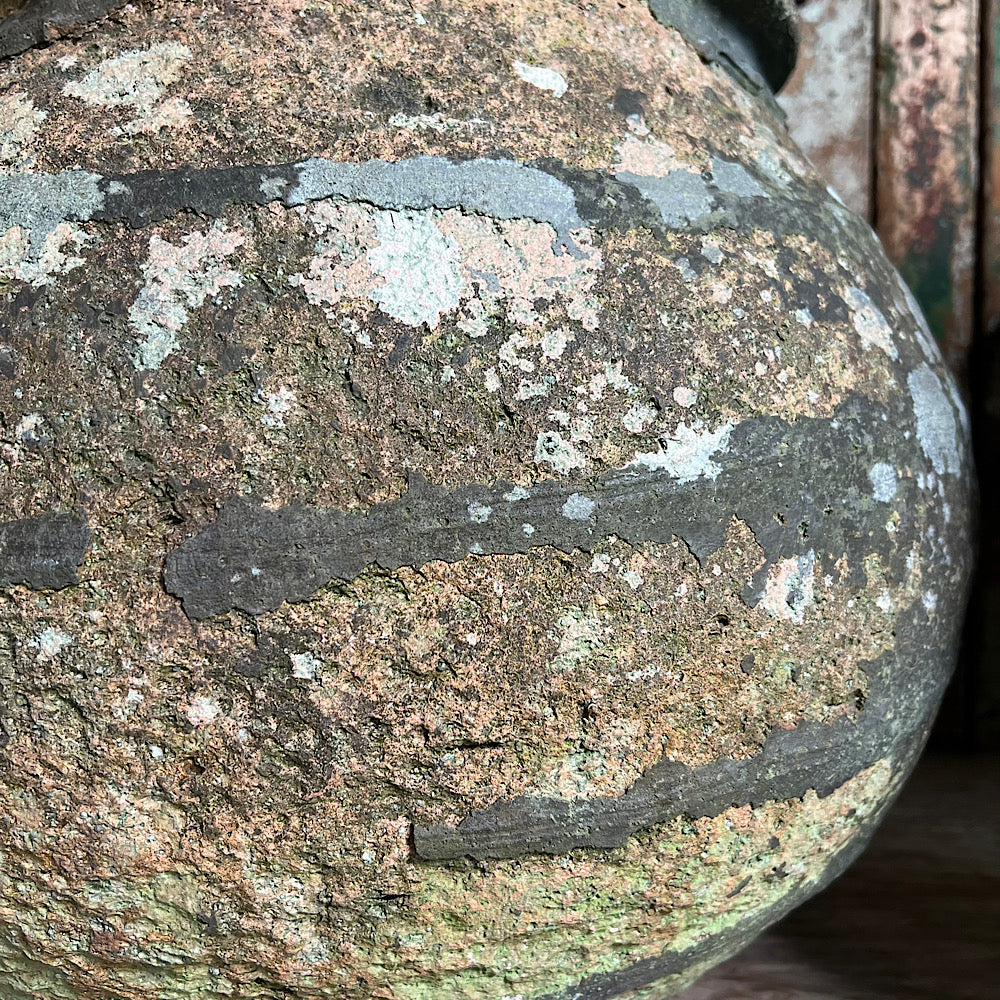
{"x": 829, "y": 96}
{"x": 926, "y": 160}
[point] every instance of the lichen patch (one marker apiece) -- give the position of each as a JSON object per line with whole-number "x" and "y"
{"x": 937, "y": 431}
{"x": 39, "y": 261}
{"x": 179, "y": 279}
{"x": 871, "y": 326}
{"x": 688, "y": 453}
{"x": 19, "y": 121}
{"x": 138, "y": 79}
{"x": 790, "y": 588}
{"x": 542, "y": 77}
{"x": 421, "y": 265}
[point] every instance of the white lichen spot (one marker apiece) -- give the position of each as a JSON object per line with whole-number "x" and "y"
{"x": 790, "y": 588}
{"x": 617, "y": 379}
{"x": 479, "y": 513}
{"x": 155, "y": 752}
{"x": 279, "y": 405}
{"x": 600, "y": 563}
{"x": 578, "y": 507}
{"x": 685, "y": 396}
{"x": 508, "y": 353}
{"x": 580, "y": 637}
{"x": 542, "y": 77}
{"x": 803, "y": 317}
{"x": 529, "y": 389}
{"x": 38, "y": 265}
{"x": 688, "y": 273}
{"x": 132, "y": 700}
{"x": 937, "y": 431}
{"x": 871, "y": 326}
{"x": 19, "y": 121}
{"x": 884, "y": 482}
{"x": 305, "y": 666}
{"x": 138, "y": 80}
{"x": 30, "y": 430}
{"x": 528, "y": 529}
{"x": 474, "y": 320}
{"x": 179, "y": 279}
{"x": 884, "y": 601}
{"x": 50, "y": 642}
{"x": 202, "y": 710}
{"x": 554, "y": 342}
{"x": 420, "y": 268}
{"x": 639, "y": 417}
{"x": 491, "y": 381}
{"x": 710, "y": 250}
{"x": 562, "y": 455}
{"x": 632, "y": 578}
{"x": 929, "y": 600}
{"x": 516, "y": 494}
{"x": 687, "y": 454}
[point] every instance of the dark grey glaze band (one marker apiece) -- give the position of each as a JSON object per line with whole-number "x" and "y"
{"x": 810, "y": 757}
{"x": 717, "y": 947}
{"x": 253, "y": 558}
{"x": 43, "y": 552}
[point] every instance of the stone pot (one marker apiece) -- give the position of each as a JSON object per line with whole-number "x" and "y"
{"x": 478, "y": 518}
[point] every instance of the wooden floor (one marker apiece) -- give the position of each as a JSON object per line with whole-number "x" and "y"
{"x": 916, "y": 918}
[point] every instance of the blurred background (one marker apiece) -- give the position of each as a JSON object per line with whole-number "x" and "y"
{"x": 897, "y": 103}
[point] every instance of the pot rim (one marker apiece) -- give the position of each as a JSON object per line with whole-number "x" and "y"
{"x": 757, "y": 40}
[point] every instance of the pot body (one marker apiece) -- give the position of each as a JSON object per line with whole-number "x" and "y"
{"x": 478, "y": 518}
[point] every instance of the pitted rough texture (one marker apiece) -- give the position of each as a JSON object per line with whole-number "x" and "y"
{"x": 460, "y": 537}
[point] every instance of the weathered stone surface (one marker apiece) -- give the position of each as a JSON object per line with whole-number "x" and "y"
{"x": 477, "y": 519}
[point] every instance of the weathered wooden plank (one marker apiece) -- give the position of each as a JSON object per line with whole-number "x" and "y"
{"x": 990, "y": 248}
{"x": 927, "y": 170}
{"x": 829, "y": 96}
